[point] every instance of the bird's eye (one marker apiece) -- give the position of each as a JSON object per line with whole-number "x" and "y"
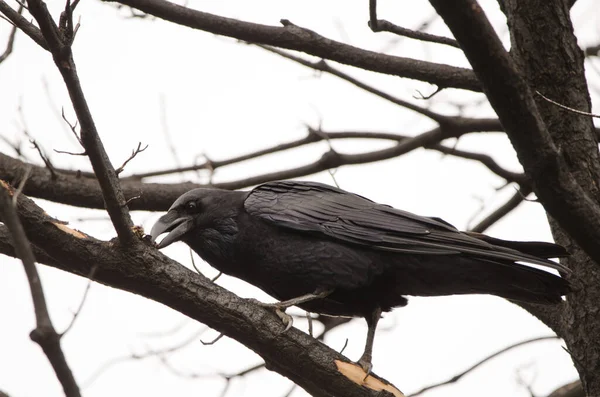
{"x": 191, "y": 206}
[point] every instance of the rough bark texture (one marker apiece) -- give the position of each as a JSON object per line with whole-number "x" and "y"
{"x": 143, "y": 270}
{"x": 546, "y": 51}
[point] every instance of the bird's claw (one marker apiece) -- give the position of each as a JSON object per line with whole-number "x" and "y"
{"x": 366, "y": 365}
{"x": 287, "y": 320}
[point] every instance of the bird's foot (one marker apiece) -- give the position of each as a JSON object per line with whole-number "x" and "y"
{"x": 366, "y": 365}
{"x": 286, "y": 319}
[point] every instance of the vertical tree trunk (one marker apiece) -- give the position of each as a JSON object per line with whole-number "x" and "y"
{"x": 545, "y": 49}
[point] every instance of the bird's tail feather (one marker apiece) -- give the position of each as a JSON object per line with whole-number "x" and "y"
{"x": 505, "y": 279}
{"x": 533, "y": 248}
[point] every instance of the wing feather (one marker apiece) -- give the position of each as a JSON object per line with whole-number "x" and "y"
{"x": 343, "y": 216}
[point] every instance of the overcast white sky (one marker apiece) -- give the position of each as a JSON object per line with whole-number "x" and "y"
{"x": 223, "y": 98}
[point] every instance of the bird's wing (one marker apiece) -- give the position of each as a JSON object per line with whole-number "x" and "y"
{"x": 318, "y": 208}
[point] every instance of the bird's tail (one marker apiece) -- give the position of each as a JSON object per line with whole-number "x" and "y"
{"x": 523, "y": 283}
{"x": 482, "y": 276}
{"x": 533, "y": 248}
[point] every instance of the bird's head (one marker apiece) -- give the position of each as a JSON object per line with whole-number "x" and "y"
{"x": 196, "y": 211}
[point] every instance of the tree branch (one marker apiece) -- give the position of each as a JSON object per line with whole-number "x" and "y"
{"x": 74, "y": 188}
{"x": 293, "y": 37}
{"x": 143, "y": 270}
{"x": 460, "y": 375}
{"x": 502, "y": 211}
{"x": 28, "y": 28}
{"x": 11, "y": 39}
{"x": 323, "y": 66}
{"x": 44, "y": 333}
{"x": 512, "y": 99}
{"x": 59, "y": 41}
{"x": 386, "y": 26}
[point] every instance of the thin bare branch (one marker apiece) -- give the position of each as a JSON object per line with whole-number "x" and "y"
{"x": 316, "y": 135}
{"x": 134, "y": 153}
{"x": 149, "y": 353}
{"x": 373, "y": 14}
{"x": 459, "y": 376}
{"x": 382, "y": 25}
{"x": 165, "y": 130}
{"x": 560, "y": 105}
{"x": 323, "y": 66}
{"x": 21, "y": 185}
{"x": 11, "y": 39}
{"x": 45, "y": 158}
{"x": 72, "y": 126}
{"x": 502, "y": 211}
{"x": 59, "y": 42}
{"x": 82, "y": 302}
{"x": 44, "y": 333}
{"x": 212, "y": 342}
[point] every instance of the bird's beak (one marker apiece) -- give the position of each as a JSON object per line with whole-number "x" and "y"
{"x": 176, "y": 224}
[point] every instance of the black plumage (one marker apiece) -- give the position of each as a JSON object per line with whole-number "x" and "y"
{"x": 304, "y": 239}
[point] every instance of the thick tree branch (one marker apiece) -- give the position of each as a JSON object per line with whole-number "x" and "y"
{"x": 293, "y": 37}
{"x": 512, "y": 99}
{"x": 74, "y": 188}
{"x": 59, "y": 41}
{"x": 145, "y": 271}
{"x": 28, "y": 28}
{"x": 44, "y": 333}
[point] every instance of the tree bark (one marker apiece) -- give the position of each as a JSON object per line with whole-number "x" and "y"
{"x": 545, "y": 49}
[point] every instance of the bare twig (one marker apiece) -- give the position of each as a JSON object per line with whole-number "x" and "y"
{"x": 148, "y": 354}
{"x": 323, "y": 66}
{"x": 83, "y": 298}
{"x": 45, "y": 158}
{"x": 11, "y": 39}
{"x": 592, "y": 51}
{"x": 382, "y": 25}
{"x": 458, "y": 376}
{"x": 373, "y": 15}
{"x": 21, "y": 185}
{"x": 72, "y": 126}
{"x": 194, "y": 262}
{"x": 560, "y": 105}
{"x": 316, "y": 135}
{"x": 59, "y": 43}
{"x": 134, "y": 153}
{"x": 502, "y": 211}
{"x": 70, "y": 153}
{"x": 44, "y": 333}
{"x": 212, "y": 342}
{"x": 165, "y": 130}
{"x": 16, "y": 146}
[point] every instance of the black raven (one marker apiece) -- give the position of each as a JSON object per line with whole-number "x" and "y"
{"x": 332, "y": 252}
